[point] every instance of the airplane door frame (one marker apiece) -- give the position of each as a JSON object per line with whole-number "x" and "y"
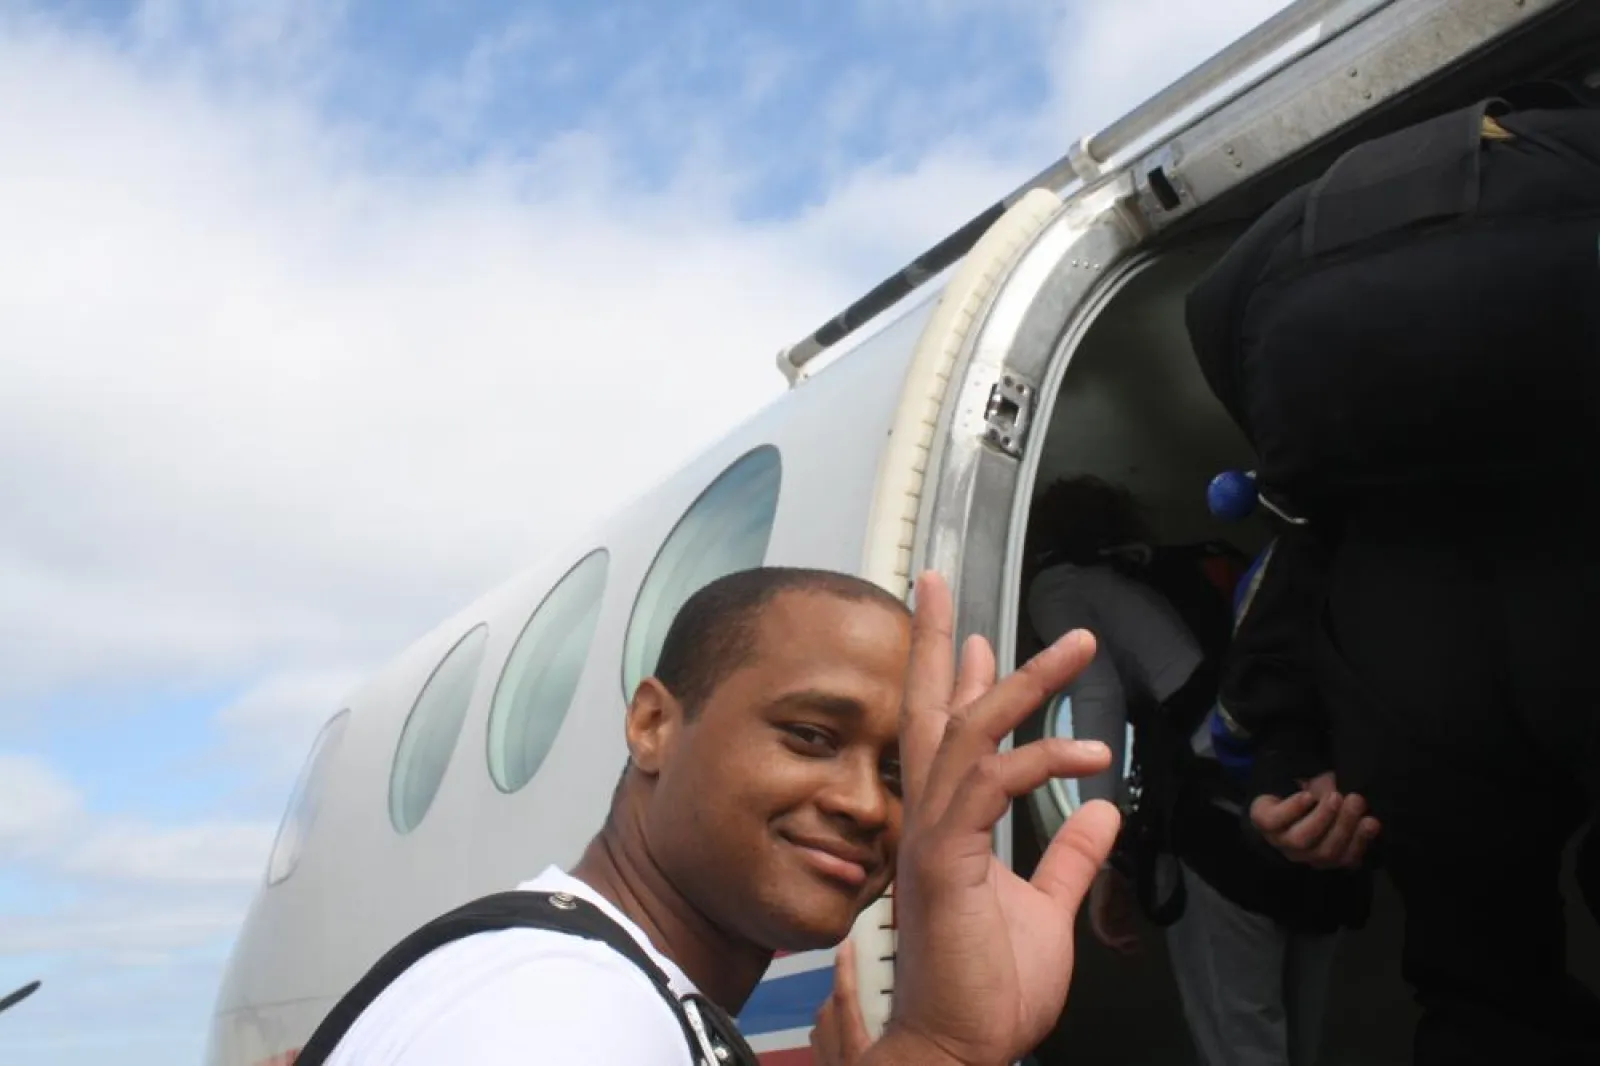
{"x": 1003, "y": 386}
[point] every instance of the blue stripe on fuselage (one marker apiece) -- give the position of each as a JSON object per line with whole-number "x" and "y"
{"x": 789, "y": 1002}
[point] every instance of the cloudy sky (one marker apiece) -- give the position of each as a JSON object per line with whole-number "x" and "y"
{"x": 306, "y": 308}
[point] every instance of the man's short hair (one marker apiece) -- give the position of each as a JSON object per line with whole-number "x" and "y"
{"x": 714, "y": 632}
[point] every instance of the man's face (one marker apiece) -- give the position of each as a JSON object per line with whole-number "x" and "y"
{"x": 777, "y": 808}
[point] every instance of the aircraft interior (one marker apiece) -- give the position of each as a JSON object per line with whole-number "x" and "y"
{"x": 1133, "y": 408}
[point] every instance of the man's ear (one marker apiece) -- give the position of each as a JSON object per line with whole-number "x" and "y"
{"x": 654, "y": 719}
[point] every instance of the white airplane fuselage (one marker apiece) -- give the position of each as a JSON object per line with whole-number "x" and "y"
{"x": 1053, "y": 345}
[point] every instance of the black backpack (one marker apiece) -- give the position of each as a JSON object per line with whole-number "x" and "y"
{"x": 1197, "y": 580}
{"x": 712, "y": 1036}
{"x": 1166, "y": 776}
{"x": 1175, "y": 812}
{"x": 1426, "y": 314}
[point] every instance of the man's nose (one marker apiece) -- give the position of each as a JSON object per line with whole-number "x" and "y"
{"x": 857, "y": 791}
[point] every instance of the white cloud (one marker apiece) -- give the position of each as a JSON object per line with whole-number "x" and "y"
{"x": 115, "y": 929}
{"x": 274, "y": 39}
{"x": 46, "y": 827}
{"x": 37, "y": 806}
{"x": 455, "y": 102}
{"x": 943, "y": 10}
{"x": 271, "y": 408}
{"x": 264, "y": 405}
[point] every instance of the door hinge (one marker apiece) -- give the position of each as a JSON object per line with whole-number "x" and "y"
{"x": 1009, "y": 414}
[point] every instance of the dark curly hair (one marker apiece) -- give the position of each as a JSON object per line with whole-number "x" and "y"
{"x": 1076, "y": 518}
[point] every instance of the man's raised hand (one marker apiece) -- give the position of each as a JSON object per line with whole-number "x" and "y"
{"x": 984, "y": 958}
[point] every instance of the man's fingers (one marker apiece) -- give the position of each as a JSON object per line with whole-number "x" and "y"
{"x": 825, "y": 1042}
{"x": 1332, "y": 849}
{"x": 987, "y": 789}
{"x": 920, "y": 738}
{"x": 976, "y": 675}
{"x": 1105, "y": 926}
{"x": 1008, "y": 704}
{"x": 1100, "y": 925}
{"x": 1322, "y": 830}
{"x": 840, "y": 1035}
{"x": 1352, "y": 854}
{"x": 844, "y": 972}
{"x": 937, "y": 744}
{"x": 1310, "y": 831}
{"x": 1077, "y": 853}
{"x": 1272, "y": 815}
{"x": 930, "y": 674}
{"x": 1366, "y": 833}
{"x": 852, "y": 1025}
{"x": 1322, "y": 784}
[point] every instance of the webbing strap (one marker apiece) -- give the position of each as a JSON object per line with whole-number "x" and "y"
{"x": 1423, "y": 173}
{"x": 554, "y": 911}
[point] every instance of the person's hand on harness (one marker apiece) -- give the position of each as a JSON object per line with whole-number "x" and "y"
{"x": 1317, "y": 826}
{"x": 984, "y": 958}
{"x": 1113, "y": 912}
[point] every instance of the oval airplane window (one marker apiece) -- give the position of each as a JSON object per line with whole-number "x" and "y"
{"x": 1058, "y": 723}
{"x": 725, "y": 530}
{"x": 540, "y": 677}
{"x": 429, "y": 736}
{"x": 305, "y": 800}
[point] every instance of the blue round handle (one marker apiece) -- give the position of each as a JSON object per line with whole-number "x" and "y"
{"x": 1232, "y": 495}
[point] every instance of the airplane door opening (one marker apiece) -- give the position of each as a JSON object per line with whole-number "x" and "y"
{"x": 1085, "y": 349}
{"x": 1123, "y": 400}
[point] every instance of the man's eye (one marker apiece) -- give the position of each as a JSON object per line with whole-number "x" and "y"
{"x": 891, "y": 777}
{"x": 809, "y": 736}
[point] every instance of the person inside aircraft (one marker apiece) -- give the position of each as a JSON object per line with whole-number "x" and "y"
{"x": 1407, "y": 341}
{"x": 1252, "y": 938}
{"x": 801, "y": 743}
{"x": 1452, "y": 652}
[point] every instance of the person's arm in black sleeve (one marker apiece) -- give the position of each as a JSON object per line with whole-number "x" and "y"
{"x": 1267, "y": 696}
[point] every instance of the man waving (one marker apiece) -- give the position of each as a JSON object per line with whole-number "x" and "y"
{"x": 801, "y": 743}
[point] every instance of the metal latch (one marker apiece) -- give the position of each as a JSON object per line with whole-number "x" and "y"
{"x": 1009, "y": 414}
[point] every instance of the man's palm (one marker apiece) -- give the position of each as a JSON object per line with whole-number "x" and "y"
{"x": 987, "y": 979}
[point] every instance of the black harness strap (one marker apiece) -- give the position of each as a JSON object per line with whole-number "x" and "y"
{"x": 713, "y": 1038}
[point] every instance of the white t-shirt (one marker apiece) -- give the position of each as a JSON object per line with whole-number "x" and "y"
{"x": 524, "y": 997}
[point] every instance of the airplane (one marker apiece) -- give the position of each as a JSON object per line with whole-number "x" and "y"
{"x": 1045, "y": 337}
